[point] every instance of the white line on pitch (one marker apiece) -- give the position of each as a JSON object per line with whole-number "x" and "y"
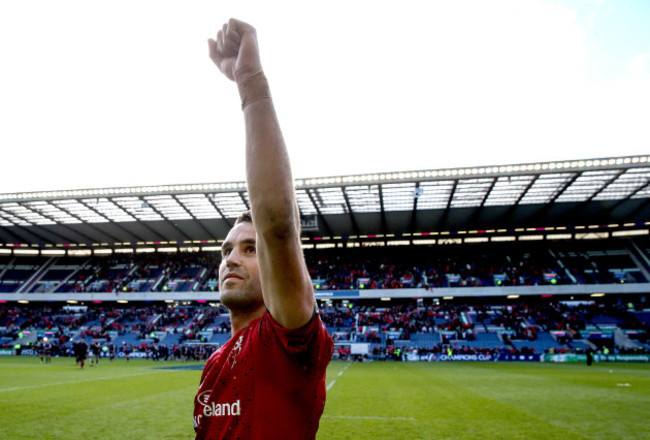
{"x": 329, "y": 387}
{"x": 368, "y": 417}
{"x": 69, "y": 382}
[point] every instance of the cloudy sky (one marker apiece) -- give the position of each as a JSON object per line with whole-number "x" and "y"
{"x": 99, "y": 94}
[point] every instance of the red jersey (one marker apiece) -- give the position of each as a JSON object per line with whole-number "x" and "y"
{"x": 266, "y": 382}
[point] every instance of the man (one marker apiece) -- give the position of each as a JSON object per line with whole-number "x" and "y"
{"x": 47, "y": 350}
{"x": 111, "y": 351}
{"x": 40, "y": 349}
{"x": 80, "y": 349}
{"x": 96, "y": 349}
{"x": 268, "y": 380}
{"x": 128, "y": 348}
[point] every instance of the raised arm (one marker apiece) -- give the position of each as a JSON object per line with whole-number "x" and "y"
{"x": 286, "y": 285}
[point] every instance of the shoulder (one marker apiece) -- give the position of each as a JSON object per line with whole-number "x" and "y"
{"x": 311, "y": 334}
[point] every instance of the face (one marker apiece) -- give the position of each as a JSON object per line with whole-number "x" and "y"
{"x": 239, "y": 274}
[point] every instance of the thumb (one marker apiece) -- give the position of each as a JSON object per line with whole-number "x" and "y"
{"x": 214, "y": 54}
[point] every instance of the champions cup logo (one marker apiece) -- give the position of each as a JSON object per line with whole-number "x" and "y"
{"x": 212, "y": 409}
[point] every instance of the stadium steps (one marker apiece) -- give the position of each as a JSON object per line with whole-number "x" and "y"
{"x": 483, "y": 340}
{"x": 219, "y": 338}
{"x": 543, "y": 343}
{"x": 171, "y": 339}
{"x": 402, "y": 343}
{"x": 604, "y": 320}
{"x": 643, "y": 316}
{"x": 131, "y": 338}
{"x": 72, "y": 274}
{"x": 622, "y": 340}
{"x": 490, "y": 340}
{"x": 37, "y": 275}
{"x": 6, "y": 341}
{"x": 29, "y": 337}
{"x": 581, "y": 344}
{"x": 425, "y": 340}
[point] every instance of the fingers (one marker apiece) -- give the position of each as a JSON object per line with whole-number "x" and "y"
{"x": 227, "y": 42}
{"x": 232, "y": 30}
{"x": 229, "y": 37}
{"x": 234, "y": 50}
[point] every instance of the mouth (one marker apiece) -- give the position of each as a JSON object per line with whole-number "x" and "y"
{"x": 232, "y": 276}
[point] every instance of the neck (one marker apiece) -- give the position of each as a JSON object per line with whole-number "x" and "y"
{"x": 240, "y": 319}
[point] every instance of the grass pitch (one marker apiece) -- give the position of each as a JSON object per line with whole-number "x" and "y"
{"x": 380, "y": 400}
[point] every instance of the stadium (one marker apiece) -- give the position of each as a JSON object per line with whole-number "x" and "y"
{"x": 489, "y": 286}
{"x": 472, "y": 182}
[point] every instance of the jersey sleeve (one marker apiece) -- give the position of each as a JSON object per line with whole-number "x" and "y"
{"x": 311, "y": 345}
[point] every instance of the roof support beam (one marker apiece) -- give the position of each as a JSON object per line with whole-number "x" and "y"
{"x": 321, "y": 217}
{"x": 564, "y": 188}
{"x": 165, "y": 219}
{"x": 116, "y": 224}
{"x": 445, "y": 214}
{"x": 197, "y": 221}
{"x": 355, "y": 226}
{"x": 414, "y": 210}
{"x": 382, "y": 212}
{"x": 223, "y": 217}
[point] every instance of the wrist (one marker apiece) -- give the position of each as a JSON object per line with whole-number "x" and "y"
{"x": 254, "y": 88}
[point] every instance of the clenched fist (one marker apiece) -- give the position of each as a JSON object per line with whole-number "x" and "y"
{"x": 235, "y": 51}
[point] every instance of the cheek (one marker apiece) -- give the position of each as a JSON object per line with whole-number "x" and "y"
{"x": 255, "y": 273}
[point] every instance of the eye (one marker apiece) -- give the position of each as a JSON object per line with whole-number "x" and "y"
{"x": 250, "y": 249}
{"x": 225, "y": 252}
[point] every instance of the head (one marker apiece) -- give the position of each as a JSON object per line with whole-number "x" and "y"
{"x": 239, "y": 276}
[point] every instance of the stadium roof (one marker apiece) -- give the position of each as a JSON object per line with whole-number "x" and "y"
{"x": 551, "y": 194}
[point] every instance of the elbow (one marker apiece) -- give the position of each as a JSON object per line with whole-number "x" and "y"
{"x": 279, "y": 231}
{"x": 277, "y": 223}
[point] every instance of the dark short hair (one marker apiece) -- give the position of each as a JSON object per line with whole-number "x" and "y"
{"x": 244, "y": 217}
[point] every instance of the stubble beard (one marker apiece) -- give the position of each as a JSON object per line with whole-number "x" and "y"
{"x": 242, "y": 299}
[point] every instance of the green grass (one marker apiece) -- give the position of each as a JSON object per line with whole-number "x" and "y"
{"x": 391, "y": 400}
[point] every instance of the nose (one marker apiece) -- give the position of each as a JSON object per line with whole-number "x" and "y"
{"x": 232, "y": 259}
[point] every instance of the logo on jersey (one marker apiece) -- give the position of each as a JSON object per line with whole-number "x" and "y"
{"x": 204, "y": 397}
{"x": 213, "y": 409}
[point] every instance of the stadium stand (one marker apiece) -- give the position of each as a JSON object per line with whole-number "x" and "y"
{"x": 534, "y": 327}
{"x": 513, "y": 259}
{"x": 493, "y": 265}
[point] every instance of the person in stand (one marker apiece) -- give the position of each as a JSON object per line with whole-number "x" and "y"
{"x": 268, "y": 380}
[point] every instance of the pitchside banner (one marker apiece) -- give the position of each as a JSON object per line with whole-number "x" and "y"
{"x": 414, "y": 357}
{"x": 326, "y": 294}
{"x": 23, "y": 352}
{"x": 30, "y": 352}
{"x": 597, "y": 358}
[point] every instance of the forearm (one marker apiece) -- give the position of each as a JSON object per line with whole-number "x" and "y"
{"x": 268, "y": 168}
{"x": 286, "y": 286}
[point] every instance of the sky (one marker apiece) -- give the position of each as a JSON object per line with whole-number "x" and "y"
{"x": 97, "y": 94}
